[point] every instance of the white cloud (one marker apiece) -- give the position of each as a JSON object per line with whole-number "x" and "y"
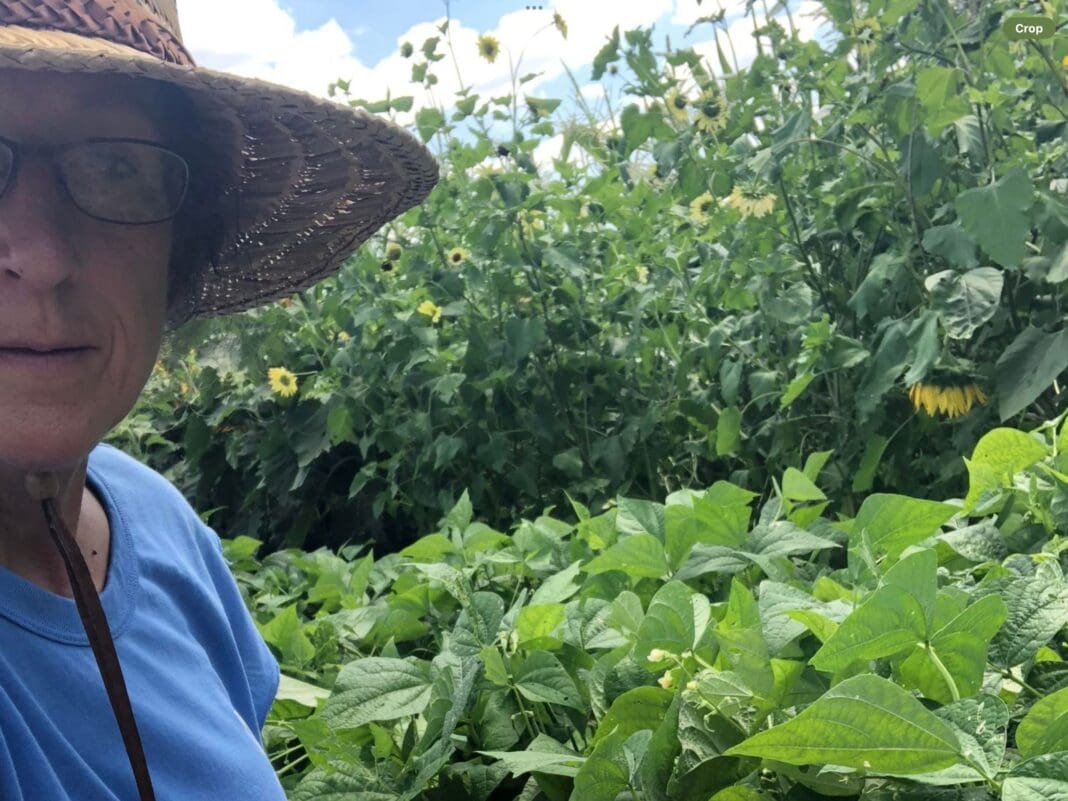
{"x": 740, "y": 32}
{"x": 271, "y": 47}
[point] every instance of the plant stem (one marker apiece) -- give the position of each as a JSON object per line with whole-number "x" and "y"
{"x": 810, "y": 269}
{"x": 954, "y": 693}
{"x": 1008, "y": 675}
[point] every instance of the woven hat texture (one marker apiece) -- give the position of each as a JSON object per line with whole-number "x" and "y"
{"x": 303, "y": 181}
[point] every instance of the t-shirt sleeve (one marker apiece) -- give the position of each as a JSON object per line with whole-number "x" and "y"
{"x": 260, "y": 665}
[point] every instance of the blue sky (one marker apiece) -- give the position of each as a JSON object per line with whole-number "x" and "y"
{"x": 308, "y": 44}
{"x": 375, "y": 26}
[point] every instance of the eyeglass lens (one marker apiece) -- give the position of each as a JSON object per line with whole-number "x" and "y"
{"x": 121, "y": 182}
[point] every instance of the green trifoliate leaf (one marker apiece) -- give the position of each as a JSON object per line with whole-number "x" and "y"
{"x": 889, "y": 622}
{"x": 635, "y": 710}
{"x": 961, "y": 648}
{"x": 741, "y": 639}
{"x": 763, "y": 545}
{"x": 605, "y": 774}
{"x": 542, "y": 678}
{"x": 543, "y": 755}
{"x": 344, "y": 781}
{"x": 1043, "y": 778}
{"x": 558, "y": 587}
{"x": 286, "y": 632}
{"x": 675, "y": 621}
{"x": 998, "y": 456}
{"x": 796, "y": 486}
{"x": 537, "y": 625}
{"x": 980, "y": 725}
{"x": 377, "y": 689}
{"x": 1049, "y": 677}
{"x": 917, "y": 575}
{"x": 778, "y": 600}
{"x": 478, "y": 624}
{"x": 865, "y": 723}
{"x": 894, "y": 522}
{"x": 1045, "y": 728}
{"x": 636, "y": 516}
{"x": 981, "y": 542}
{"x": 300, "y": 691}
{"x": 1037, "y": 610}
{"x": 639, "y": 556}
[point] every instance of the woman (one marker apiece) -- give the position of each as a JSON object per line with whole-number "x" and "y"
{"x": 136, "y": 192}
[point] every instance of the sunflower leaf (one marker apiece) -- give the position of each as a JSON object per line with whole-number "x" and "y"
{"x": 1028, "y": 367}
{"x": 996, "y": 215}
{"x": 965, "y": 301}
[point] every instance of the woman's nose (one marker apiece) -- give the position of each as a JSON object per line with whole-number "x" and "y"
{"x": 36, "y": 228}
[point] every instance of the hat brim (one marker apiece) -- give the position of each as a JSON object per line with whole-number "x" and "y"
{"x": 313, "y": 179}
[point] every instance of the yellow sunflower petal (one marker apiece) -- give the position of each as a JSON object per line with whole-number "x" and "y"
{"x": 930, "y": 400}
{"x": 963, "y": 404}
{"x": 969, "y": 396}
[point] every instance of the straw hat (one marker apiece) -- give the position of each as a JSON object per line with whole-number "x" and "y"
{"x": 302, "y": 181}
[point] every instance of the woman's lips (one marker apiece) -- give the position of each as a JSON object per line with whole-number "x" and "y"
{"x": 53, "y": 363}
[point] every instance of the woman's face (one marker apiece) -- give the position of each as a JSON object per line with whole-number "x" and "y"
{"x": 69, "y": 278}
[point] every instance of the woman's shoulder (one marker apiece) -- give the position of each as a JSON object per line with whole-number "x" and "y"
{"x": 142, "y": 493}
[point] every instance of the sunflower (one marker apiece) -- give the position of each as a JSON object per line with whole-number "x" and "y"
{"x": 1064, "y": 62}
{"x": 699, "y": 207}
{"x": 677, "y": 103}
{"x": 711, "y": 111}
{"x": 457, "y": 256}
{"x": 430, "y": 309}
{"x": 386, "y": 266}
{"x": 282, "y": 381}
{"x": 865, "y": 30}
{"x": 952, "y": 397}
{"x": 488, "y": 47}
{"x": 343, "y": 336}
{"x": 393, "y": 251}
{"x": 749, "y": 200}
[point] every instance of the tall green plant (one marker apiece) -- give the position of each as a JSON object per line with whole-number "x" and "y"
{"x": 739, "y": 270}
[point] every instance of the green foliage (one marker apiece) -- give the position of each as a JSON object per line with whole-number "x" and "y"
{"x": 711, "y": 291}
{"x": 577, "y": 660}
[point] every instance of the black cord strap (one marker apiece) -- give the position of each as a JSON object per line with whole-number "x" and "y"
{"x": 96, "y": 628}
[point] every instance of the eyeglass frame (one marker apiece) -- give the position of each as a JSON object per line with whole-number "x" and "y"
{"x": 19, "y": 148}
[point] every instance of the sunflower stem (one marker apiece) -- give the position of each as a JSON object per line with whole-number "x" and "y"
{"x": 810, "y": 269}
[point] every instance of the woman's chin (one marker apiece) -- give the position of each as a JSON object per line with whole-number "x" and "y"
{"x": 44, "y": 447}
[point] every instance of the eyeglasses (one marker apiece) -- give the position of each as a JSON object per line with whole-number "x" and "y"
{"x": 127, "y": 181}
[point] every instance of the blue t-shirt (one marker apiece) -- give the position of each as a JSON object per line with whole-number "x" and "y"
{"x": 199, "y": 675}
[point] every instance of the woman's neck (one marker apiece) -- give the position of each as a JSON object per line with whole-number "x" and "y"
{"x": 26, "y": 546}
